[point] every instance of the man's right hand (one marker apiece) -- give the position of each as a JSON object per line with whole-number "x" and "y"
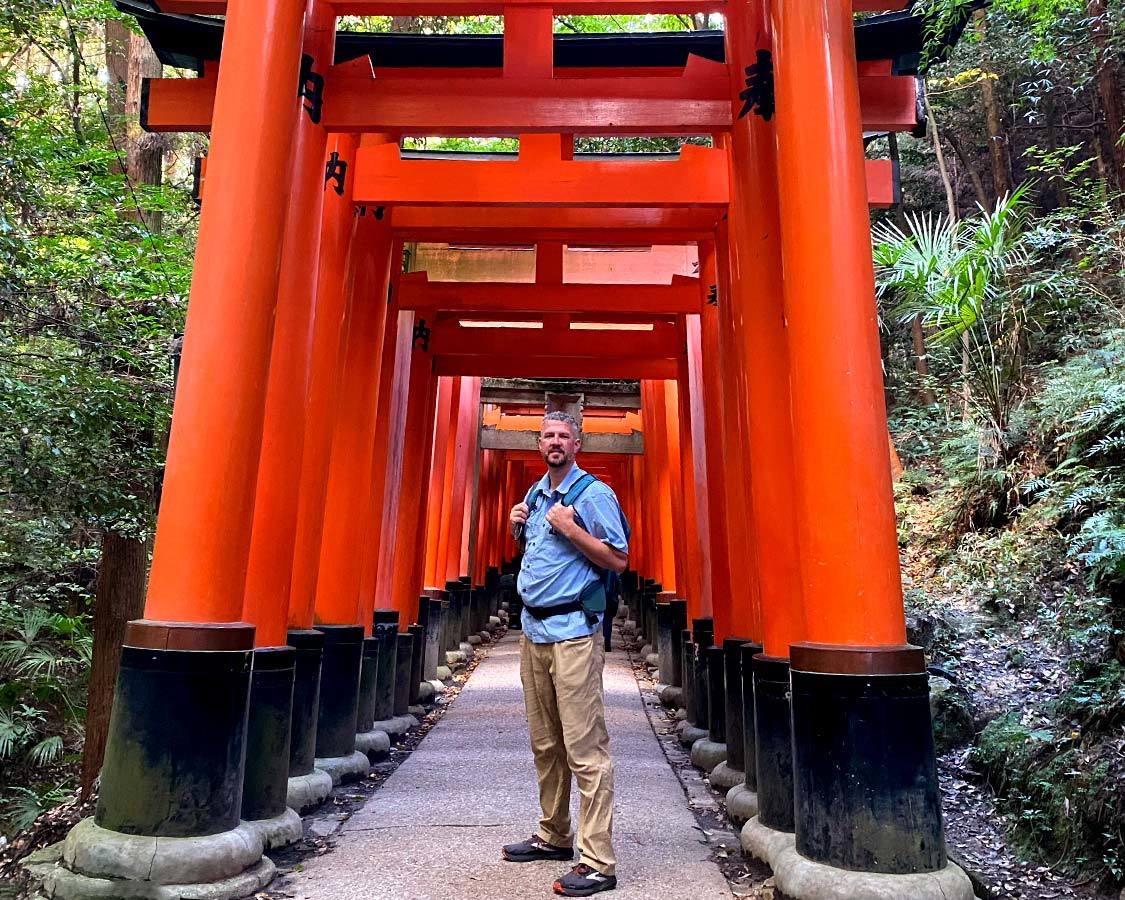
{"x": 518, "y": 517}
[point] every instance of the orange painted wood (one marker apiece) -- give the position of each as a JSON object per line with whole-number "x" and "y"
{"x": 678, "y": 404}
{"x": 384, "y": 466}
{"x": 347, "y": 502}
{"x": 410, "y": 528}
{"x": 497, "y": 7}
{"x": 697, "y": 178}
{"x": 483, "y": 8}
{"x": 206, "y": 510}
{"x": 416, "y": 292}
{"x": 273, "y": 535}
{"x": 850, "y": 572}
{"x": 624, "y": 226}
{"x": 694, "y": 411}
{"x": 439, "y": 468}
{"x": 472, "y": 454}
{"x": 710, "y": 397}
{"x": 554, "y": 367}
{"x": 758, "y": 318}
{"x": 663, "y": 342}
{"x": 392, "y": 488}
{"x": 690, "y": 101}
{"x": 329, "y": 337}
{"x": 742, "y": 541}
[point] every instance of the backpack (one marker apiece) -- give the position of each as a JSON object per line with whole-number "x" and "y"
{"x": 611, "y": 580}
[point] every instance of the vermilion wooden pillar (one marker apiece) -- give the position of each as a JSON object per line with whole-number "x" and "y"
{"x": 441, "y": 476}
{"x": 392, "y": 486}
{"x": 863, "y": 757}
{"x": 185, "y": 669}
{"x": 709, "y": 368}
{"x": 347, "y": 503}
{"x": 410, "y": 527}
{"x": 758, "y": 318}
{"x": 206, "y": 510}
{"x": 462, "y": 446}
{"x": 329, "y": 338}
{"x": 472, "y": 497}
{"x": 853, "y": 592}
{"x": 694, "y": 397}
{"x": 386, "y": 461}
{"x": 270, "y": 567}
{"x": 741, "y": 537}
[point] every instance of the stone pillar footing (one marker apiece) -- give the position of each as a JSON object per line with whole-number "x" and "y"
{"x": 307, "y": 791}
{"x": 723, "y": 777}
{"x": 97, "y": 862}
{"x": 342, "y": 769}
{"x": 688, "y": 734}
{"x": 706, "y": 754}
{"x": 278, "y": 831}
{"x": 742, "y": 804}
{"x": 802, "y": 879}
{"x": 670, "y": 695}
{"x": 374, "y": 744}
{"x": 397, "y": 726}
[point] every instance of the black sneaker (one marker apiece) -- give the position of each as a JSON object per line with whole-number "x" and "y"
{"x": 582, "y": 881}
{"x": 534, "y": 849}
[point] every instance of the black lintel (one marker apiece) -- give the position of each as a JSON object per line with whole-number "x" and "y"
{"x": 187, "y": 41}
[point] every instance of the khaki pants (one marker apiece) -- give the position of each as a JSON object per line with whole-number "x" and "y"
{"x": 562, "y": 689}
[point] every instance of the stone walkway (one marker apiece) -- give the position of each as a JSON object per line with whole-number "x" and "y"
{"x": 434, "y": 830}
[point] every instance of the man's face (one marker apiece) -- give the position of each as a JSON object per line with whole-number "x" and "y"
{"x": 558, "y": 444}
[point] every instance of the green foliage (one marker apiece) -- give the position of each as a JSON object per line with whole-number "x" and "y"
{"x": 976, "y": 285}
{"x": 1057, "y": 773}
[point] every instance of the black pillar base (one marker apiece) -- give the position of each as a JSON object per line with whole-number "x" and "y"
{"x": 703, "y": 636}
{"x": 309, "y": 647}
{"x": 339, "y": 690}
{"x": 404, "y": 664}
{"x": 687, "y": 663}
{"x": 177, "y": 734}
{"x": 746, "y": 654}
{"x": 368, "y": 685}
{"x": 679, "y": 623}
{"x": 866, "y": 786}
{"x": 417, "y": 650}
{"x": 716, "y": 695}
{"x": 732, "y": 714}
{"x": 266, "y": 783}
{"x": 774, "y": 747}
{"x": 385, "y": 628}
{"x": 433, "y": 650}
{"x": 664, "y": 641}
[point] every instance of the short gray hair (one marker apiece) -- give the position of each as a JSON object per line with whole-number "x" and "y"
{"x": 559, "y": 416}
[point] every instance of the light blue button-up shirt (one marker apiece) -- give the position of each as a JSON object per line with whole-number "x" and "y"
{"x": 554, "y": 570}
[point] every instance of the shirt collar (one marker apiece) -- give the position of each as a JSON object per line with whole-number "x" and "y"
{"x": 567, "y": 483}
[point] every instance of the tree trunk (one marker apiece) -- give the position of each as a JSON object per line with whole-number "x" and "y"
{"x": 993, "y": 114}
{"x": 119, "y": 598}
{"x": 974, "y": 176}
{"x": 1109, "y": 82}
{"x": 120, "y": 594}
{"x": 144, "y": 152}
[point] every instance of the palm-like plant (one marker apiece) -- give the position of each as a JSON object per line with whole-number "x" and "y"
{"x": 972, "y": 283}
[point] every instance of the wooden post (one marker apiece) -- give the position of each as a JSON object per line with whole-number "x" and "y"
{"x": 206, "y": 510}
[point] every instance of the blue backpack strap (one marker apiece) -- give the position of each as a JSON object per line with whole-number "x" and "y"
{"x": 579, "y": 488}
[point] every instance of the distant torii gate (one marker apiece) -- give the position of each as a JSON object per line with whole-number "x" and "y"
{"x": 324, "y": 468}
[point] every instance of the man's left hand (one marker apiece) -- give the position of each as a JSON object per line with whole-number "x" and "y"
{"x": 561, "y": 518}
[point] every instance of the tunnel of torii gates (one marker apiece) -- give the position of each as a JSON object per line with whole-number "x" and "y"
{"x": 336, "y": 494}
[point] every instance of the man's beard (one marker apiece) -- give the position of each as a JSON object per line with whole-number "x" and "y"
{"x": 559, "y": 464}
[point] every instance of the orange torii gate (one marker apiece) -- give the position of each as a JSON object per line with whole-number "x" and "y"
{"x": 324, "y": 478}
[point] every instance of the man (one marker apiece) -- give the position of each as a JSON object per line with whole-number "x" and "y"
{"x": 568, "y": 549}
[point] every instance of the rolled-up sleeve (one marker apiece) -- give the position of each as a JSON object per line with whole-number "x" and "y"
{"x": 601, "y": 516}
